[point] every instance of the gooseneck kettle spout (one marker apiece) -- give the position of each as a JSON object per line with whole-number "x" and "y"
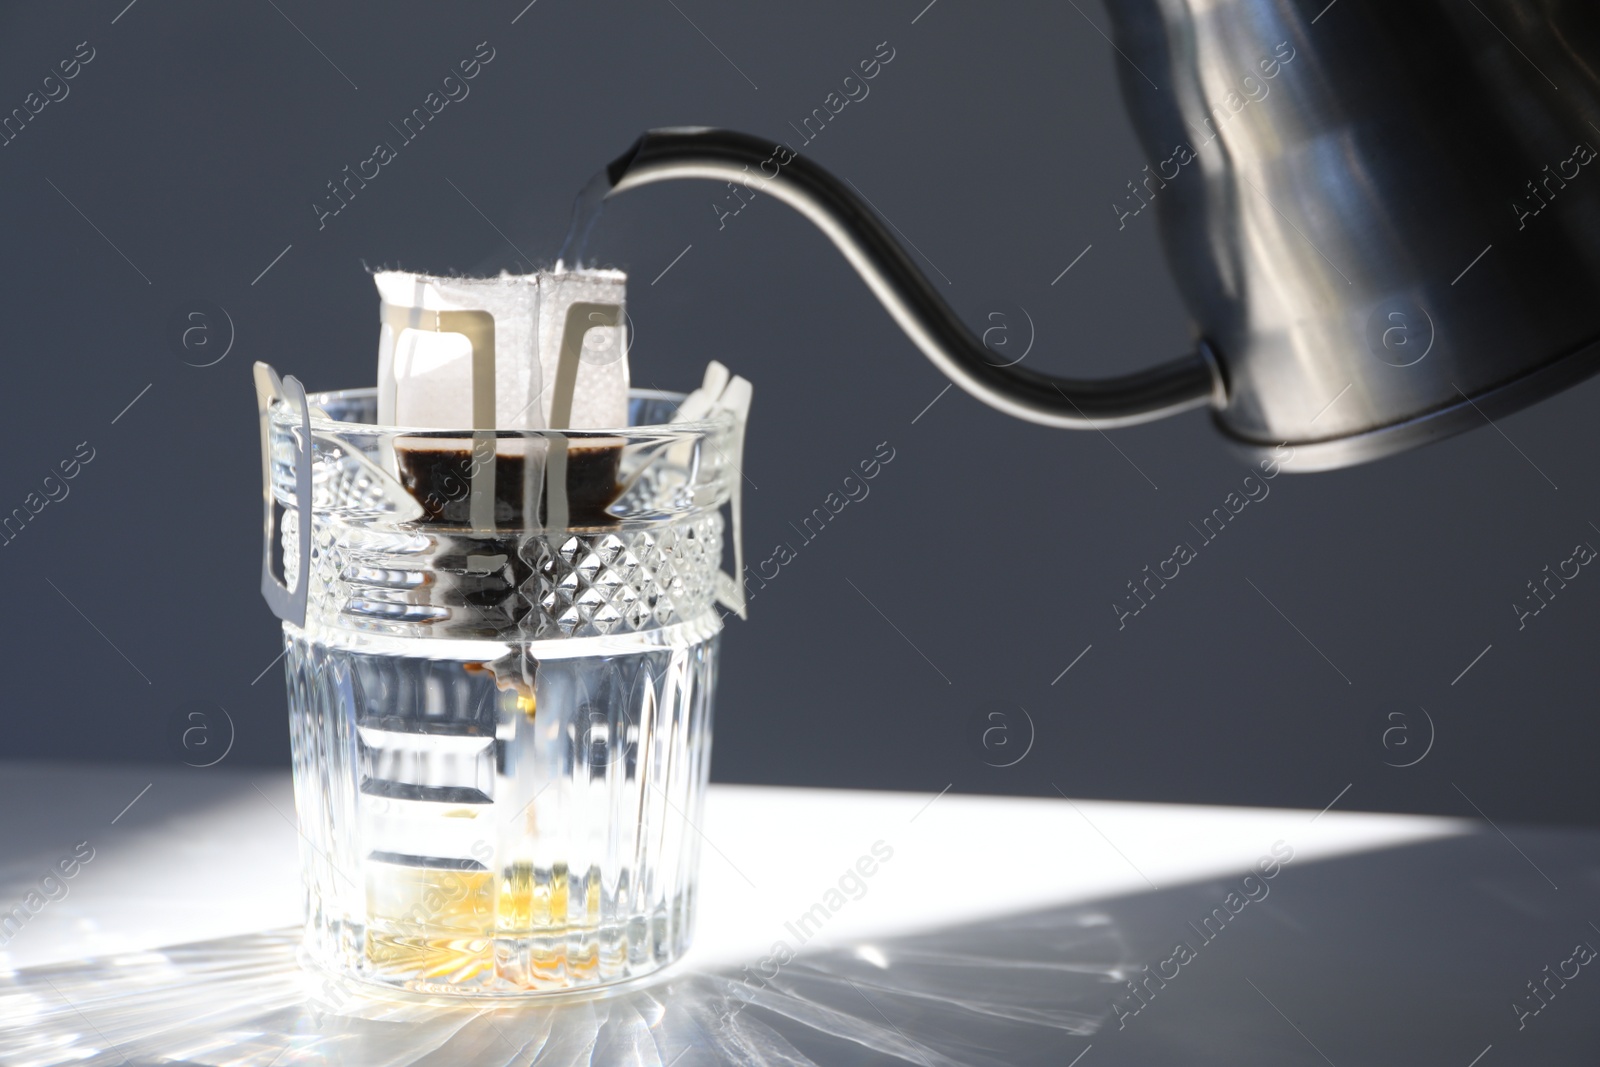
{"x": 1191, "y": 381}
{"x": 1383, "y": 219}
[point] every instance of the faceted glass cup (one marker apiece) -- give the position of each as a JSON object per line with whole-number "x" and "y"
{"x": 500, "y": 696}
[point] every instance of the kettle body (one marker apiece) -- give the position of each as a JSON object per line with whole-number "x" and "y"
{"x": 1383, "y": 215}
{"x": 1387, "y": 224}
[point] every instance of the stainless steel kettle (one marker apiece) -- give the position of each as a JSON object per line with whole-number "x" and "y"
{"x": 1383, "y": 215}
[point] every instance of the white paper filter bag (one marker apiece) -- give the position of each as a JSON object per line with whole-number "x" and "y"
{"x": 486, "y": 353}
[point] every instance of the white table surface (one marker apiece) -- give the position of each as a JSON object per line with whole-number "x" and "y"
{"x": 208, "y": 853}
{"x": 1002, "y": 932}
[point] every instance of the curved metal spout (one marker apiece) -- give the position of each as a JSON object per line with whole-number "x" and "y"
{"x": 1072, "y": 403}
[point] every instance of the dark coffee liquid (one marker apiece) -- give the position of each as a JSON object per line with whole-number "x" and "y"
{"x": 438, "y": 473}
{"x": 488, "y": 581}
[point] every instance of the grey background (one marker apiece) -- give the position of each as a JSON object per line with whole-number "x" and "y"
{"x": 986, "y": 558}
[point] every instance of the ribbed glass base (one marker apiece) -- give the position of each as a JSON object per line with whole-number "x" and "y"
{"x": 500, "y": 818}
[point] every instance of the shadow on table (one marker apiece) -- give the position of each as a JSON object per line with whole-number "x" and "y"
{"x": 1411, "y": 955}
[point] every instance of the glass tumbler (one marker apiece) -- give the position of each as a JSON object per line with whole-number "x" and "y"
{"x": 500, "y": 650}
